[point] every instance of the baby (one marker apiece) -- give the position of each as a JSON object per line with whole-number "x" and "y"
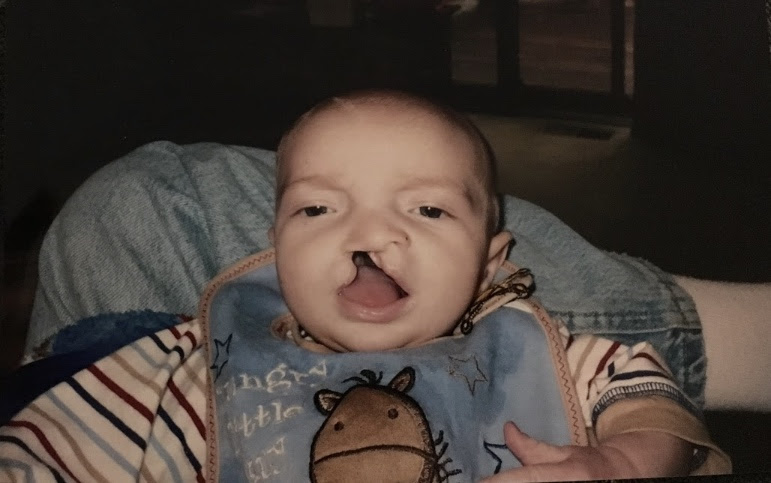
{"x": 387, "y": 237}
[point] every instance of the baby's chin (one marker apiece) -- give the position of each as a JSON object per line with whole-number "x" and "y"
{"x": 376, "y": 342}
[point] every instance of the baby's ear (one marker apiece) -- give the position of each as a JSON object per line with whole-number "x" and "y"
{"x": 496, "y": 255}
{"x": 272, "y": 236}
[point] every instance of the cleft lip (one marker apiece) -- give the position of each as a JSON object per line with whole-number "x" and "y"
{"x": 363, "y": 259}
{"x": 354, "y": 310}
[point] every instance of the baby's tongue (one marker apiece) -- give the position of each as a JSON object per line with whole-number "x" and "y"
{"x": 372, "y": 288}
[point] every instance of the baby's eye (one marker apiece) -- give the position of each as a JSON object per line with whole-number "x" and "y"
{"x": 314, "y": 210}
{"x": 431, "y": 212}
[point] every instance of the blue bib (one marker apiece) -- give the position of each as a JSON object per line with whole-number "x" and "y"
{"x": 280, "y": 412}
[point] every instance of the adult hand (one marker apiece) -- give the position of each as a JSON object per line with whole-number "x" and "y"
{"x": 640, "y": 454}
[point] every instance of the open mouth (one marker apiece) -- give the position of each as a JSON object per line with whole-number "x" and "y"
{"x": 372, "y": 287}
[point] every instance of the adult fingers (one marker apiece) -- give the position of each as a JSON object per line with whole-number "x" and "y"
{"x": 530, "y": 451}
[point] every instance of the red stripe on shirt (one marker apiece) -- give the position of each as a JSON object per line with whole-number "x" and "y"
{"x": 645, "y": 355}
{"x": 601, "y": 364}
{"x": 570, "y": 342}
{"x": 190, "y": 336}
{"x": 174, "y": 331}
{"x": 121, "y": 393}
{"x": 186, "y": 405}
{"x": 607, "y": 356}
{"x": 44, "y": 441}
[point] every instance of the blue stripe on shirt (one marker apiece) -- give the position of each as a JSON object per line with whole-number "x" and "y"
{"x": 624, "y": 376}
{"x": 23, "y": 446}
{"x": 101, "y": 409}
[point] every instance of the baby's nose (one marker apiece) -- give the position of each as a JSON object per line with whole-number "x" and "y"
{"x": 375, "y": 232}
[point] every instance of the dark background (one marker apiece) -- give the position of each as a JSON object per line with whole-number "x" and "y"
{"x": 89, "y": 80}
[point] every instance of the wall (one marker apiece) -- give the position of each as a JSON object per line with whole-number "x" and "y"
{"x": 703, "y": 79}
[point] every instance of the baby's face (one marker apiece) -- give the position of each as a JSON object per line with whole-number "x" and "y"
{"x": 380, "y": 233}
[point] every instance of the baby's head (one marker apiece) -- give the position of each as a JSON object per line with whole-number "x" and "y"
{"x": 386, "y": 220}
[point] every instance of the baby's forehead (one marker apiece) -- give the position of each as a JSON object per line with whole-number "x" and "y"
{"x": 403, "y": 122}
{"x": 330, "y": 124}
{"x": 377, "y": 113}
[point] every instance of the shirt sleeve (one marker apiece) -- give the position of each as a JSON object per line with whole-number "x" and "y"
{"x": 607, "y": 371}
{"x": 633, "y": 390}
{"x": 138, "y": 414}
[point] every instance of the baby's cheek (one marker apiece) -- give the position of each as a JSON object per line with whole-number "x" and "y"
{"x": 456, "y": 295}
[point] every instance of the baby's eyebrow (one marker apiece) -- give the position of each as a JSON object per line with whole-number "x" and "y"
{"x": 314, "y": 181}
{"x": 446, "y": 184}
